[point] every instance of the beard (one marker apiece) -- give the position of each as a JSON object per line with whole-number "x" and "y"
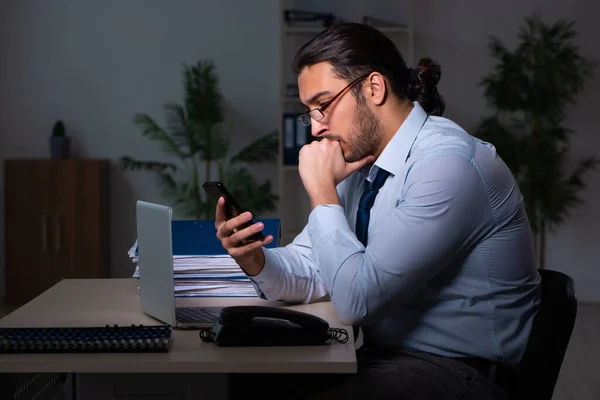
{"x": 366, "y": 134}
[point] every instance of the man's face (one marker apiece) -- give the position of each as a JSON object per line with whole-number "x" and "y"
{"x": 350, "y": 122}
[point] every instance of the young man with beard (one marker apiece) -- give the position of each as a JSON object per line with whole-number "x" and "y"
{"x": 417, "y": 230}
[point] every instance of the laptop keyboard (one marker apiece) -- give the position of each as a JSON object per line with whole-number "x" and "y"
{"x": 197, "y": 314}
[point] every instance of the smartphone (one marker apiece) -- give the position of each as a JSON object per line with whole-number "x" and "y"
{"x": 232, "y": 209}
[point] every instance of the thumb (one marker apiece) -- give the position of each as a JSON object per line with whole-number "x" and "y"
{"x": 356, "y": 165}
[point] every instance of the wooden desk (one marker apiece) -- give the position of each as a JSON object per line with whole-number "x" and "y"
{"x": 97, "y": 302}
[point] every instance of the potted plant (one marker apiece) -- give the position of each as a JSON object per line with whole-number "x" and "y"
{"x": 60, "y": 144}
{"x": 529, "y": 90}
{"x": 196, "y": 137}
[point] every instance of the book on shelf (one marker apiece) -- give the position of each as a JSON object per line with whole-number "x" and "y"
{"x": 201, "y": 266}
{"x": 295, "y": 135}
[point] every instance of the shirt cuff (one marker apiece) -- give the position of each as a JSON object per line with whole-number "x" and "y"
{"x": 325, "y": 219}
{"x": 267, "y": 280}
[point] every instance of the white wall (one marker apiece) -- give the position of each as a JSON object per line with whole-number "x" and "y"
{"x": 94, "y": 64}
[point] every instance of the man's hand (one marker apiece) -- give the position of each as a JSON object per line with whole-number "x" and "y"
{"x": 248, "y": 254}
{"x": 322, "y": 166}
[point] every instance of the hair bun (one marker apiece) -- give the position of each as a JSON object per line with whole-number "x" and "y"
{"x": 413, "y": 76}
{"x": 422, "y": 86}
{"x": 429, "y": 72}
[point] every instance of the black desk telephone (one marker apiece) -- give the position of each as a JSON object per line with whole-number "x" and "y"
{"x": 270, "y": 326}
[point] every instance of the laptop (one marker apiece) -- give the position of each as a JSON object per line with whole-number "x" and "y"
{"x": 156, "y": 280}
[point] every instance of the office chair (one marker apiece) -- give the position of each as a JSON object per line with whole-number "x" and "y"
{"x": 551, "y": 332}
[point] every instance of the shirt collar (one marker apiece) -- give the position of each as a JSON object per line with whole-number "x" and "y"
{"x": 396, "y": 152}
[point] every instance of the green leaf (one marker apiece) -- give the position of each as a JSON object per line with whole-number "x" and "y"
{"x": 262, "y": 149}
{"x": 202, "y": 97}
{"x": 167, "y": 182}
{"x": 154, "y": 132}
{"x": 212, "y": 140}
{"x": 178, "y": 126}
{"x": 251, "y": 195}
{"x": 505, "y": 139}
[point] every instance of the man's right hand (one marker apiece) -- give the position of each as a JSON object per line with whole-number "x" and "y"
{"x": 248, "y": 254}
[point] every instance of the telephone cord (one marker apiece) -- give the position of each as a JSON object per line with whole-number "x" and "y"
{"x": 205, "y": 334}
{"x": 339, "y": 334}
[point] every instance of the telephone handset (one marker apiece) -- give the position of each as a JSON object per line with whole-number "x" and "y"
{"x": 269, "y": 326}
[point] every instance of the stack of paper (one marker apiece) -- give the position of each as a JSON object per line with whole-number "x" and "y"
{"x": 205, "y": 276}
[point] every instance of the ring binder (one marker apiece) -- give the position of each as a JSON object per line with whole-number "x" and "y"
{"x": 105, "y": 339}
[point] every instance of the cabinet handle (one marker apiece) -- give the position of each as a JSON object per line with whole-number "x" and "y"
{"x": 44, "y": 232}
{"x": 57, "y": 233}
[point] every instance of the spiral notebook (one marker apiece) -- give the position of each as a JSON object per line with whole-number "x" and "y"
{"x": 100, "y": 339}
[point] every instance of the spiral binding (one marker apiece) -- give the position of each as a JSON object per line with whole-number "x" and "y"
{"x": 134, "y": 338}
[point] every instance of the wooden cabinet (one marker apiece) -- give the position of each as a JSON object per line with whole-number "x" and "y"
{"x": 56, "y": 221}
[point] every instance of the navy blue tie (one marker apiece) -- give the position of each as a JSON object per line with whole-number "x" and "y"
{"x": 366, "y": 202}
{"x": 364, "y": 212}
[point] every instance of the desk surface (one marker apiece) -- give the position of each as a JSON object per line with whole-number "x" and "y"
{"x": 97, "y": 302}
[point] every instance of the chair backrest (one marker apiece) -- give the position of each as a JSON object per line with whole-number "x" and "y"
{"x": 549, "y": 338}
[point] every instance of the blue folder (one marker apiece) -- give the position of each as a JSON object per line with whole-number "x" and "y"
{"x": 199, "y": 237}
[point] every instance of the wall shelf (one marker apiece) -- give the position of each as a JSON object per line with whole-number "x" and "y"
{"x": 310, "y": 30}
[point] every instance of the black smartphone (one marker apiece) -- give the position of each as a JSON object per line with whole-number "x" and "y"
{"x": 232, "y": 209}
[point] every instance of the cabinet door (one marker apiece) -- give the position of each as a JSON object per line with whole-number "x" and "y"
{"x": 80, "y": 219}
{"x": 28, "y": 258}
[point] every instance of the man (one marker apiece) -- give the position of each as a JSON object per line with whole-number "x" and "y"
{"x": 417, "y": 230}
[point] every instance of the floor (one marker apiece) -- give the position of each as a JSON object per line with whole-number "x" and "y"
{"x": 580, "y": 376}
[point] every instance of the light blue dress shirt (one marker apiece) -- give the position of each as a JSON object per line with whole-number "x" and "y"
{"x": 449, "y": 267}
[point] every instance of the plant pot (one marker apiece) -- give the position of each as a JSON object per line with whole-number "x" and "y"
{"x": 60, "y": 147}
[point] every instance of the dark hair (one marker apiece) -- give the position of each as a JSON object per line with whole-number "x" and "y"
{"x": 355, "y": 49}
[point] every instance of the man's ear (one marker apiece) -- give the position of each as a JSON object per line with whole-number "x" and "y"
{"x": 376, "y": 88}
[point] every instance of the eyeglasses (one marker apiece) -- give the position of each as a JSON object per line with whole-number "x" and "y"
{"x": 317, "y": 113}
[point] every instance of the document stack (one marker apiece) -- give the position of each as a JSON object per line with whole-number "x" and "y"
{"x": 201, "y": 267}
{"x": 198, "y": 276}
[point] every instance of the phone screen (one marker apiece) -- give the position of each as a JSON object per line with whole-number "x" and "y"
{"x": 232, "y": 209}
